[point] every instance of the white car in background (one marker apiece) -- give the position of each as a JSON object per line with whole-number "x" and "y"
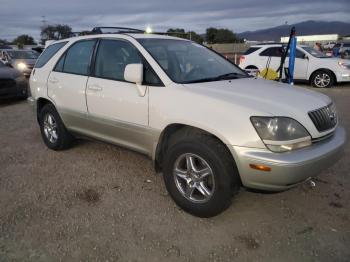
{"x": 310, "y": 65}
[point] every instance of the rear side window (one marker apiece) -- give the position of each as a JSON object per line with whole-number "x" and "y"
{"x": 272, "y": 51}
{"x": 251, "y": 50}
{"x": 77, "y": 59}
{"x": 347, "y": 45}
{"x": 49, "y": 52}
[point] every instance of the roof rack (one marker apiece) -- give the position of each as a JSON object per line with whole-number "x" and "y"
{"x": 115, "y": 30}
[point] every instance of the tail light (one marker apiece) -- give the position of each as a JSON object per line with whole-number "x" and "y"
{"x": 241, "y": 59}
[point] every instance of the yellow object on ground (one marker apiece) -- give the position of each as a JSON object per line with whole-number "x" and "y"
{"x": 269, "y": 74}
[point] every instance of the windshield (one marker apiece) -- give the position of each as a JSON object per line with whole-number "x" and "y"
{"x": 188, "y": 62}
{"x": 23, "y": 54}
{"x": 314, "y": 52}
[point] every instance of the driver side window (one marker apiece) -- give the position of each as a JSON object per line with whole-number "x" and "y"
{"x": 114, "y": 55}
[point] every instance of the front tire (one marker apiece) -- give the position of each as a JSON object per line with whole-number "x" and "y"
{"x": 322, "y": 79}
{"x": 53, "y": 131}
{"x": 200, "y": 175}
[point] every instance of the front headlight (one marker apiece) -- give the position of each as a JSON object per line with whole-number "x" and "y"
{"x": 343, "y": 64}
{"x": 21, "y": 66}
{"x": 281, "y": 134}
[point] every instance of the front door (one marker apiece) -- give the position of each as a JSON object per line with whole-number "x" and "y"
{"x": 300, "y": 65}
{"x": 117, "y": 113}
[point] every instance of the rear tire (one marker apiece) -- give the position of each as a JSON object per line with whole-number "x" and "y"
{"x": 322, "y": 79}
{"x": 53, "y": 131}
{"x": 205, "y": 190}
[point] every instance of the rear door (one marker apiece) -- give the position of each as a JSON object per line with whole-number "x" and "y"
{"x": 270, "y": 58}
{"x": 67, "y": 82}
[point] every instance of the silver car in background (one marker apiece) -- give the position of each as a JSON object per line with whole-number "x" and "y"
{"x": 22, "y": 60}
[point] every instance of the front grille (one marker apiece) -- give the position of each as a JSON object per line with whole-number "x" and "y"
{"x": 324, "y": 118}
{"x": 7, "y": 83}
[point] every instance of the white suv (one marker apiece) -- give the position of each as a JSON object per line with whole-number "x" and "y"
{"x": 207, "y": 125}
{"x": 311, "y": 65}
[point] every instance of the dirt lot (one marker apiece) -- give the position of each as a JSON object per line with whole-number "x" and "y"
{"x": 97, "y": 202}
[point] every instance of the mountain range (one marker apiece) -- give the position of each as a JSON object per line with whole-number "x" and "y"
{"x": 302, "y": 28}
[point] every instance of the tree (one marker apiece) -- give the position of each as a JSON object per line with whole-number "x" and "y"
{"x": 177, "y": 32}
{"x": 180, "y": 32}
{"x": 55, "y": 32}
{"x": 22, "y": 40}
{"x": 195, "y": 37}
{"x": 63, "y": 31}
{"x": 221, "y": 36}
{"x": 211, "y": 35}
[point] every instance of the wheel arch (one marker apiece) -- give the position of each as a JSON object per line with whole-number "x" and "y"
{"x": 172, "y": 129}
{"x": 40, "y": 103}
{"x": 251, "y": 67}
{"x": 323, "y": 69}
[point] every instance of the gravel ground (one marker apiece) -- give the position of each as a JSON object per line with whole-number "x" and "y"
{"x": 97, "y": 202}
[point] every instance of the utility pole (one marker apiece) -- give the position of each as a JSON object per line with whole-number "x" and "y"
{"x": 43, "y": 21}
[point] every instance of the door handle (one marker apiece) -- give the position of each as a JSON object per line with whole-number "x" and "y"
{"x": 53, "y": 80}
{"x": 95, "y": 88}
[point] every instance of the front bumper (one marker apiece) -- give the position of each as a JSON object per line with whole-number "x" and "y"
{"x": 343, "y": 76}
{"x": 287, "y": 169}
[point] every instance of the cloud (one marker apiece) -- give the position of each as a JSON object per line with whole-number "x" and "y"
{"x": 23, "y": 16}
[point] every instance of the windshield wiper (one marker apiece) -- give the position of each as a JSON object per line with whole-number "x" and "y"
{"x": 216, "y": 78}
{"x": 230, "y": 76}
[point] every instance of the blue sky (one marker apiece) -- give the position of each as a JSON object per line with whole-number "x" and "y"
{"x": 25, "y": 16}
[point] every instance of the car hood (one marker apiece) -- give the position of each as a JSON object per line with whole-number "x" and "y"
{"x": 9, "y": 73}
{"x": 263, "y": 96}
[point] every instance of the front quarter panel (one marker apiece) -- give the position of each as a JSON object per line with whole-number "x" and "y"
{"x": 176, "y": 104}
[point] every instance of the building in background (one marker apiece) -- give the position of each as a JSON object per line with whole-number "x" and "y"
{"x": 312, "y": 39}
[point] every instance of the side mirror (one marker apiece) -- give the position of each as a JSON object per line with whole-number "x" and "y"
{"x": 134, "y": 73}
{"x": 305, "y": 57}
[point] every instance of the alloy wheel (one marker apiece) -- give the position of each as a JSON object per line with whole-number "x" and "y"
{"x": 194, "y": 178}
{"x": 322, "y": 80}
{"x": 50, "y": 128}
